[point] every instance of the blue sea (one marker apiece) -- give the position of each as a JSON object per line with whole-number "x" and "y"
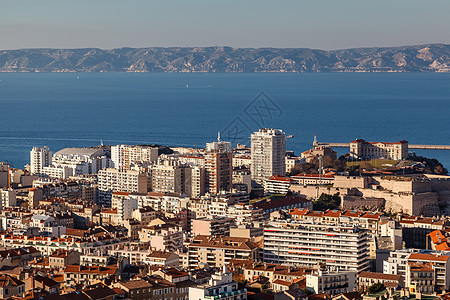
{"x": 81, "y": 109}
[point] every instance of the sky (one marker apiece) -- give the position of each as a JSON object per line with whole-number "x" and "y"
{"x": 320, "y": 24}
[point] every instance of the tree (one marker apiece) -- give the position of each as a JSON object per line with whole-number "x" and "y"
{"x": 375, "y": 288}
{"x": 326, "y": 201}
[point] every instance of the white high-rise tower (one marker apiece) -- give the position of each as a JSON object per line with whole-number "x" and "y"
{"x": 268, "y": 154}
{"x": 40, "y": 157}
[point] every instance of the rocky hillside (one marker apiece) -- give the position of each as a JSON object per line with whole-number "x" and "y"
{"x": 423, "y": 58}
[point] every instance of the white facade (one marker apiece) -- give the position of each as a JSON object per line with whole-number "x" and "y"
{"x": 332, "y": 283}
{"x": 397, "y": 261}
{"x": 170, "y": 176}
{"x": 268, "y": 151}
{"x": 125, "y": 156}
{"x": 40, "y": 157}
{"x": 81, "y": 161}
{"x": 291, "y": 162}
{"x": 112, "y": 180}
{"x": 220, "y": 286}
{"x": 307, "y": 244}
{"x": 124, "y": 204}
{"x": 62, "y": 172}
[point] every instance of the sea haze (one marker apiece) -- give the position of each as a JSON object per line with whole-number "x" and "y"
{"x": 79, "y": 109}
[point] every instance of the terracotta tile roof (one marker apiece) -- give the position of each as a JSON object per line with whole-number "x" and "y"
{"x": 121, "y": 193}
{"x": 90, "y": 270}
{"x": 371, "y": 215}
{"x": 429, "y": 257}
{"x": 299, "y": 211}
{"x": 160, "y": 254}
{"x": 158, "y": 282}
{"x": 279, "y": 178}
{"x": 136, "y": 284}
{"x": 332, "y": 213}
{"x": 442, "y": 247}
{"x": 420, "y": 266}
{"x": 437, "y": 237}
{"x": 282, "y": 282}
{"x": 224, "y": 242}
{"x": 8, "y": 280}
{"x": 381, "y": 276}
{"x": 352, "y": 214}
{"x": 101, "y": 292}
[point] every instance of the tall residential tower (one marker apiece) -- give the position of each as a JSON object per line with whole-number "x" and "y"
{"x": 40, "y": 157}
{"x": 218, "y": 166}
{"x": 268, "y": 154}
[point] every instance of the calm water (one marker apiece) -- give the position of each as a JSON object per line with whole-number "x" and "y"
{"x": 79, "y": 109}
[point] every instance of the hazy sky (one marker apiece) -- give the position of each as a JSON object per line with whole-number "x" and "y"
{"x": 324, "y": 24}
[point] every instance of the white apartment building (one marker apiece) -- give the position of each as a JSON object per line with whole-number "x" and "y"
{"x": 197, "y": 181}
{"x": 144, "y": 255}
{"x": 170, "y": 176}
{"x": 277, "y": 184}
{"x": 397, "y": 261}
{"x": 47, "y": 226}
{"x": 331, "y": 282}
{"x": 124, "y": 204}
{"x": 81, "y": 161}
{"x": 220, "y": 286}
{"x": 112, "y": 180}
{"x": 291, "y": 162}
{"x": 40, "y": 157}
{"x": 126, "y": 156}
{"x": 268, "y": 151}
{"x": 58, "y": 171}
{"x": 306, "y": 244}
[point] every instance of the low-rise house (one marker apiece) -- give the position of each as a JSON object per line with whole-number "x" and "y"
{"x": 366, "y": 279}
{"x": 43, "y": 283}
{"x": 62, "y": 258}
{"x": 18, "y": 256}
{"x": 10, "y": 286}
{"x": 162, "y": 289}
{"x": 331, "y": 282}
{"x": 136, "y": 289}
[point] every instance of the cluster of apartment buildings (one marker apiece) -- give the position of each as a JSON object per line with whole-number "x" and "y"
{"x": 145, "y": 222}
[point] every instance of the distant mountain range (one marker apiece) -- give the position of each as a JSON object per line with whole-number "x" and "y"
{"x": 422, "y": 58}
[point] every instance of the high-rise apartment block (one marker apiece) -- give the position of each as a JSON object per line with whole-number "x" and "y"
{"x": 170, "y": 176}
{"x": 126, "y": 156}
{"x": 218, "y": 166}
{"x": 112, "y": 180}
{"x": 268, "y": 154}
{"x": 40, "y": 157}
